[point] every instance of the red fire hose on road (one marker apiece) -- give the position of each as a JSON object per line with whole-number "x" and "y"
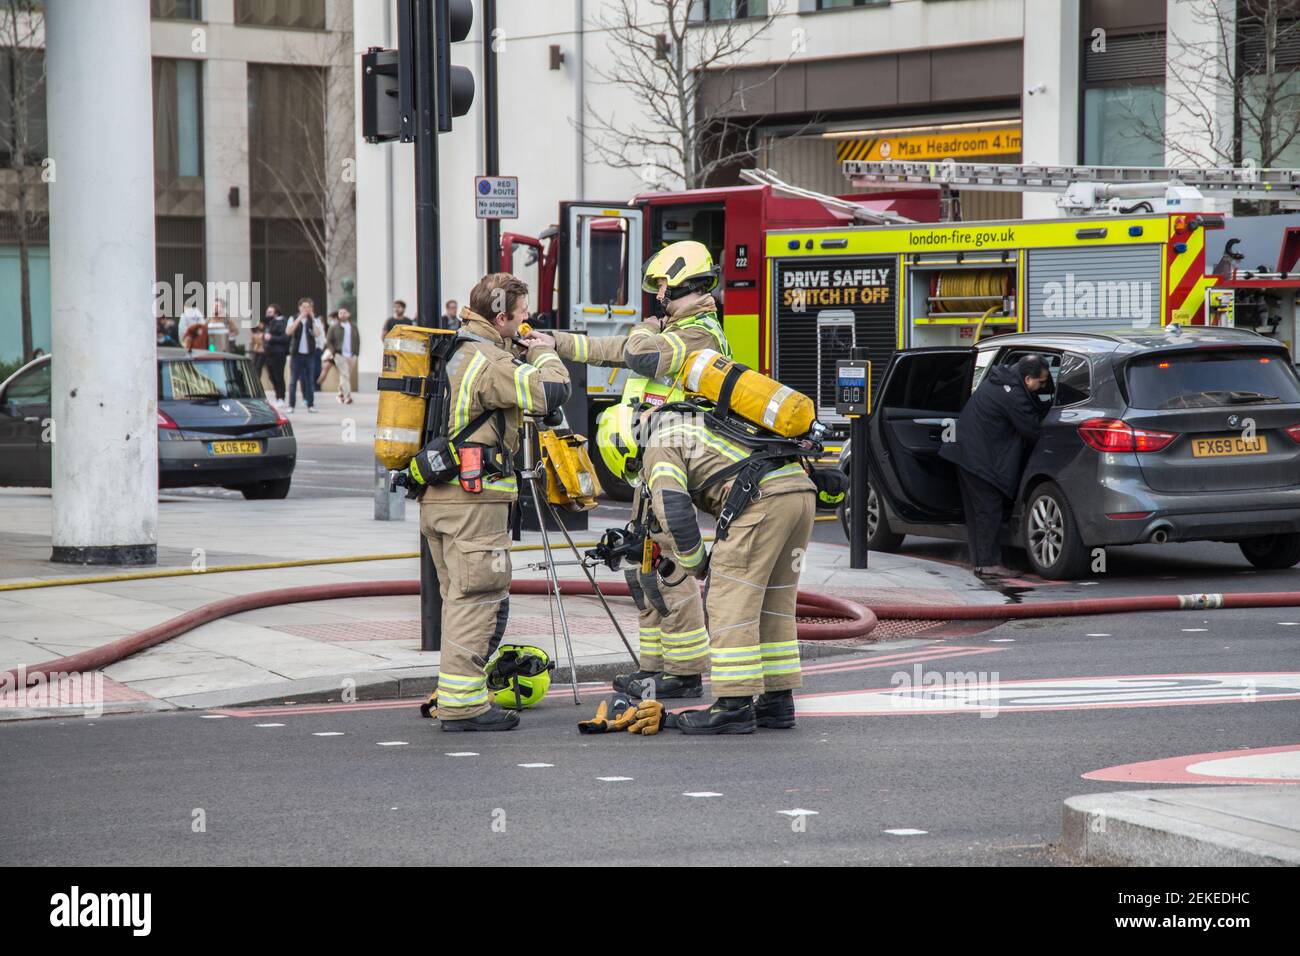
{"x": 857, "y": 620}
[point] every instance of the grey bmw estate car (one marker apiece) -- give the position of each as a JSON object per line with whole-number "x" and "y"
{"x": 1185, "y": 434}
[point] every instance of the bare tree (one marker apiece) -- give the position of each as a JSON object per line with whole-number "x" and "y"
{"x": 664, "y": 63}
{"x": 1236, "y": 65}
{"x": 20, "y": 26}
{"x": 316, "y": 179}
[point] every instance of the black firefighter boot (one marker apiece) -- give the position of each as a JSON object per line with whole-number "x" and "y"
{"x": 728, "y": 715}
{"x": 494, "y": 718}
{"x": 775, "y": 709}
{"x": 621, "y": 681}
{"x": 667, "y": 686}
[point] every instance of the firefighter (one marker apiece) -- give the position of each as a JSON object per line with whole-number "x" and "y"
{"x": 754, "y": 566}
{"x": 674, "y": 641}
{"x": 466, "y": 521}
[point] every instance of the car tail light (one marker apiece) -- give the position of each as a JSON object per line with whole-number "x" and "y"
{"x": 1294, "y": 432}
{"x": 279, "y": 417}
{"x": 165, "y": 421}
{"x": 1111, "y": 434}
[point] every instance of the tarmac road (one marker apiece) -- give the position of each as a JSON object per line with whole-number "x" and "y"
{"x": 385, "y": 787}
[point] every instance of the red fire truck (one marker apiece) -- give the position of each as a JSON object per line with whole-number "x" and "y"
{"x": 587, "y": 268}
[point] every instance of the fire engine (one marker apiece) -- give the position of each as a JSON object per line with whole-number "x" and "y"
{"x": 806, "y": 277}
{"x": 587, "y": 268}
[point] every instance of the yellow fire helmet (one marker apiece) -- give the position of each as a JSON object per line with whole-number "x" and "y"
{"x": 518, "y": 675}
{"x": 686, "y": 266}
{"x": 617, "y": 442}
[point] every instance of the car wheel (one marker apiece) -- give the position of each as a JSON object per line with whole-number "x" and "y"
{"x": 1272, "y": 552}
{"x": 1051, "y": 535}
{"x": 879, "y": 536}
{"x": 261, "y": 490}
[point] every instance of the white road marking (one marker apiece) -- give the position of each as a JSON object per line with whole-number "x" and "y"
{"x": 701, "y": 794}
{"x": 906, "y": 831}
{"x": 268, "y": 725}
{"x": 214, "y": 716}
{"x": 327, "y": 733}
{"x": 1289, "y": 623}
{"x": 1195, "y": 630}
{"x": 532, "y": 765}
{"x": 1096, "y": 635}
{"x": 1003, "y": 640}
{"x": 613, "y": 779}
{"x": 461, "y": 753}
{"x": 392, "y": 743}
{"x": 798, "y": 812}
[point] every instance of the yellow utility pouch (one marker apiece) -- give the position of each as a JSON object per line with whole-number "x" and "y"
{"x": 570, "y": 478}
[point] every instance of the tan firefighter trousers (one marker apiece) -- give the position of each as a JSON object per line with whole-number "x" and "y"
{"x": 470, "y": 545}
{"x": 753, "y": 587}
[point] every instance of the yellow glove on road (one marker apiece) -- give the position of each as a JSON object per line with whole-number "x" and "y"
{"x": 649, "y": 718}
{"x": 608, "y": 712}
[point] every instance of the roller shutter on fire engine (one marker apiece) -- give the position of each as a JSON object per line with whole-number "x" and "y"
{"x": 824, "y": 307}
{"x": 1093, "y": 290}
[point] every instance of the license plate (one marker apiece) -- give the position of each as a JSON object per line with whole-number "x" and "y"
{"x": 234, "y": 448}
{"x": 1228, "y": 446}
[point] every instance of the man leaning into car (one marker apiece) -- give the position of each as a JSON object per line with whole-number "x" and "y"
{"x": 997, "y": 427}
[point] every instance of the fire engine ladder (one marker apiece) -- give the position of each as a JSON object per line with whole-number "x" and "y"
{"x": 1085, "y": 188}
{"x": 860, "y": 214}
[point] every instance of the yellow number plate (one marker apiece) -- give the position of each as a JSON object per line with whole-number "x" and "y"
{"x": 1228, "y": 446}
{"x": 235, "y": 448}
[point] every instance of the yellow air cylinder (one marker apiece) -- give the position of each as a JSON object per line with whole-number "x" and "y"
{"x": 754, "y": 397}
{"x": 399, "y": 425}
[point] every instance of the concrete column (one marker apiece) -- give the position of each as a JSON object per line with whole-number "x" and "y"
{"x": 1051, "y": 111}
{"x": 373, "y": 25}
{"x": 1200, "y": 37}
{"x": 99, "y": 96}
{"x": 225, "y": 167}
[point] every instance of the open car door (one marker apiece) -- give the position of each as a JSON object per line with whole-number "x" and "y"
{"x": 922, "y": 394}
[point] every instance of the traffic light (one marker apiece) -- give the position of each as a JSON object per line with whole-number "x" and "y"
{"x": 455, "y": 18}
{"x": 381, "y": 119}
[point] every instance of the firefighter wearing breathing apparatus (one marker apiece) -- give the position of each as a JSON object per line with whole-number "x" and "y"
{"x": 764, "y": 502}
{"x": 466, "y": 519}
{"x": 674, "y": 642}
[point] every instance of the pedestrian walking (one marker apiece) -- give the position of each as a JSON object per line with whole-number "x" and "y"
{"x": 276, "y": 338}
{"x": 344, "y": 341}
{"x": 995, "y": 432}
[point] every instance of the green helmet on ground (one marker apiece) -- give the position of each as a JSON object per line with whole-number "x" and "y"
{"x": 522, "y": 668}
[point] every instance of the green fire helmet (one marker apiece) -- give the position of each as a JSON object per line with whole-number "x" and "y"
{"x": 686, "y": 266}
{"x": 616, "y": 441}
{"x": 518, "y": 675}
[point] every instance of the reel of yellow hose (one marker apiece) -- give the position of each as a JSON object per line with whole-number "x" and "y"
{"x": 969, "y": 290}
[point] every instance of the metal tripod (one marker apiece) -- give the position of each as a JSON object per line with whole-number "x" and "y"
{"x": 532, "y": 473}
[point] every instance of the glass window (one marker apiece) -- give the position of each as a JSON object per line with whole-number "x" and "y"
{"x": 177, "y": 120}
{"x": 1286, "y": 107}
{"x": 22, "y": 77}
{"x": 983, "y": 359}
{"x": 32, "y": 388}
{"x": 1211, "y": 379}
{"x": 837, "y": 4}
{"x": 606, "y": 259}
{"x": 205, "y": 378}
{"x": 1124, "y": 125}
{"x": 297, "y": 14}
{"x": 932, "y": 382}
{"x": 734, "y": 9}
{"x": 1073, "y": 380}
{"x": 174, "y": 9}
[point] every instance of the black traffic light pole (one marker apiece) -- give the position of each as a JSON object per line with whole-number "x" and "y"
{"x": 428, "y": 260}
{"x": 490, "y": 140}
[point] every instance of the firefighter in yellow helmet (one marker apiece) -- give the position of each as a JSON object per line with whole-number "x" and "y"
{"x": 764, "y": 502}
{"x": 466, "y": 520}
{"x": 681, "y": 277}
